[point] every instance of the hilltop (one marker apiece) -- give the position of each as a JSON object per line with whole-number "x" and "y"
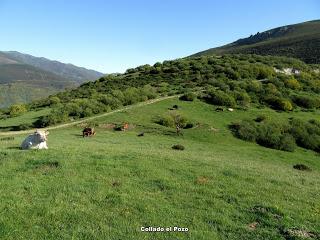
{"x": 24, "y": 78}
{"x": 298, "y": 40}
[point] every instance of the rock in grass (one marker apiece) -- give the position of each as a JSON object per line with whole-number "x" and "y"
{"x": 301, "y": 167}
{"x": 178, "y": 147}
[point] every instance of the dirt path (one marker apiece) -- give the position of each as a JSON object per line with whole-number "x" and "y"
{"x": 11, "y": 133}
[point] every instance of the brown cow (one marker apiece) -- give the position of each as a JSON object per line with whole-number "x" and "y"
{"x": 125, "y": 127}
{"x": 88, "y": 132}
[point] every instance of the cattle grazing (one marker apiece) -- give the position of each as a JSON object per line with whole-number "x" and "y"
{"x": 88, "y": 132}
{"x": 37, "y": 140}
{"x": 125, "y": 127}
{"x": 230, "y": 109}
{"x": 141, "y": 134}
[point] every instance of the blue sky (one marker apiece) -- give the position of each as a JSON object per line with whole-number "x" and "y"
{"x": 111, "y": 36}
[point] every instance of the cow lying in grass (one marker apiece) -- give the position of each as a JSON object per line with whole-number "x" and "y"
{"x": 88, "y": 132}
{"x": 37, "y": 140}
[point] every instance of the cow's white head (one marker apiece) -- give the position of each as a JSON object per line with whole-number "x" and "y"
{"x": 41, "y": 135}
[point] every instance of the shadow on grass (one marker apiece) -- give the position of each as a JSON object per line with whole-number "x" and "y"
{"x": 17, "y": 148}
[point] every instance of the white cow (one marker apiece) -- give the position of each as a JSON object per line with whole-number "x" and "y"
{"x": 37, "y": 140}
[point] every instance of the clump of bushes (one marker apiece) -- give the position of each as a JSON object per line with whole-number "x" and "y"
{"x": 278, "y": 103}
{"x": 282, "y": 136}
{"x": 165, "y": 120}
{"x": 306, "y": 101}
{"x": 17, "y": 110}
{"x": 175, "y": 120}
{"x": 188, "y": 97}
{"x": 221, "y": 98}
{"x": 261, "y": 118}
{"x": 307, "y": 134}
{"x": 178, "y": 147}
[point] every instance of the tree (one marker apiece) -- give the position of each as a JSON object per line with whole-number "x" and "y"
{"x": 179, "y": 122}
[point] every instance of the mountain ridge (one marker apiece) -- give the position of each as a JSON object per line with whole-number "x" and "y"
{"x": 66, "y": 70}
{"x": 301, "y": 40}
{"x": 24, "y": 78}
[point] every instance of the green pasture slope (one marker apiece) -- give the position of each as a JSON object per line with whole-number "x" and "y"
{"x": 110, "y": 185}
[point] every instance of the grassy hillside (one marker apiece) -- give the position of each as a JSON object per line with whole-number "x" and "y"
{"x": 22, "y": 93}
{"x": 20, "y": 83}
{"x": 110, "y": 185}
{"x": 299, "y": 40}
{"x": 239, "y": 81}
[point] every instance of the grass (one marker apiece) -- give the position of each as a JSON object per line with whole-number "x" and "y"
{"x": 110, "y": 185}
{"x": 27, "y": 118}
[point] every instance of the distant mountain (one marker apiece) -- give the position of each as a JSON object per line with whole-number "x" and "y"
{"x": 24, "y": 78}
{"x": 69, "y": 71}
{"x": 299, "y": 40}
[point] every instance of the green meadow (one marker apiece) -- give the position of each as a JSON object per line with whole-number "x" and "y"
{"x": 110, "y": 185}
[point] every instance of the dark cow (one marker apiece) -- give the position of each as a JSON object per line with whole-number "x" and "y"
{"x": 88, "y": 132}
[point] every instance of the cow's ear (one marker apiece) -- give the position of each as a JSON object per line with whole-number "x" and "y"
{"x": 46, "y": 132}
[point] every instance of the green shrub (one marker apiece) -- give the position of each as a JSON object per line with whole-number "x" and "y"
{"x": 268, "y": 134}
{"x": 287, "y": 143}
{"x": 306, "y": 101}
{"x": 17, "y": 110}
{"x": 54, "y": 100}
{"x": 165, "y": 120}
{"x": 307, "y": 134}
{"x": 178, "y": 147}
{"x": 261, "y": 118}
{"x": 279, "y": 103}
{"x": 301, "y": 167}
{"x": 188, "y": 97}
{"x": 245, "y": 130}
{"x": 218, "y": 97}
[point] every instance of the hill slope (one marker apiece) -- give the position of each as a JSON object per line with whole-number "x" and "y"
{"x": 24, "y": 78}
{"x": 299, "y": 40}
{"x": 114, "y": 183}
{"x": 69, "y": 71}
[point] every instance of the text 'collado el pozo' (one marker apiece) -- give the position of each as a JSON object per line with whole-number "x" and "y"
{"x": 164, "y": 229}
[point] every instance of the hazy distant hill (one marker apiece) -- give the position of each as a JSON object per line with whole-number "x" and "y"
{"x": 299, "y": 40}
{"x": 79, "y": 74}
{"x": 24, "y": 78}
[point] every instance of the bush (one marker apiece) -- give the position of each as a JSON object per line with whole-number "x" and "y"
{"x": 166, "y": 121}
{"x": 306, "y": 101}
{"x": 246, "y": 130}
{"x": 261, "y": 118}
{"x": 178, "y": 147}
{"x": 17, "y": 109}
{"x": 268, "y": 134}
{"x": 307, "y": 135}
{"x": 292, "y": 83}
{"x": 301, "y": 167}
{"x": 279, "y": 103}
{"x": 287, "y": 143}
{"x": 54, "y": 100}
{"x": 218, "y": 97}
{"x": 188, "y": 97}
